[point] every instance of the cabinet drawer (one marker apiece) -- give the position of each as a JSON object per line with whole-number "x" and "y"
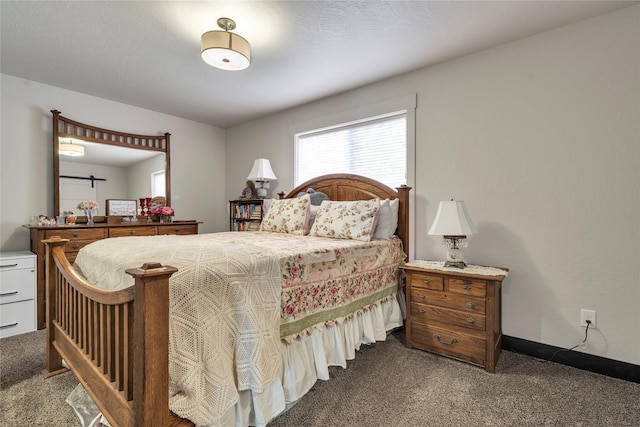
{"x": 444, "y": 317}
{"x": 178, "y": 229}
{"x": 17, "y": 263}
{"x": 132, "y": 231}
{"x": 17, "y": 285}
{"x": 427, "y": 281}
{"x": 17, "y": 318}
{"x": 469, "y": 348}
{"x": 449, "y": 300}
{"x": 476, "y": 288}
{"x": 77, "y": 234}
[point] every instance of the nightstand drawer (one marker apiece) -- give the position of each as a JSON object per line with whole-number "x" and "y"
{"x": 17, "y": 318}
{"x": 448, "y": 300}
{"x": 468, "y": 348}
{"x": 432, "y": 315}
{"x": 476, "y": 288}
{"x": 132, "y": 231}
{"x": 17, "y": 285}
{"x": 427, "y": 281}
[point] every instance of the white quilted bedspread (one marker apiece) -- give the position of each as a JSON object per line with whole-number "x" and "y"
{"x": 223, "y": 297}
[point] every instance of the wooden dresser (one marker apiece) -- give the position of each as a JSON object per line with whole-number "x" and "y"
{"x": 455, "y": 313}
{"x": 81, "y": 235}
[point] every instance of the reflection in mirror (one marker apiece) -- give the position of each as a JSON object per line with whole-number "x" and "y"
{"x": 118, "y": 173}
{"x": 102, "y": 164}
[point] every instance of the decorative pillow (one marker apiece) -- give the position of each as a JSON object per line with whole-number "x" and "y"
{"x": 346, "y": 220}
{"x": 288, "y": 216}
{"x": 317, "y": 197}
{"x": 387, "y": 219}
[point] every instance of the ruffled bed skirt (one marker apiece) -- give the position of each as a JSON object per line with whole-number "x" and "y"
{"x": 307, "y": 358}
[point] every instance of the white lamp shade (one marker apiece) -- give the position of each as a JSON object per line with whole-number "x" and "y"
{"x": 225, "y": 50}
{"x": 261, "y": 171}
{"x": 68, "y": 149}
{"x": 452, "y": 219}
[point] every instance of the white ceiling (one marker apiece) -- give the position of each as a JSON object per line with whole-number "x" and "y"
{"x": 147, "y": 53}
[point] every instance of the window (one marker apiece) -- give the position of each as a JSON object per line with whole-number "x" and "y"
{"x": 158, "y": 182}
{"x": 375, "y": 147}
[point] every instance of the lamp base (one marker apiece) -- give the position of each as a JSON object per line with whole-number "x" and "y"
{"x": 455, "y": 264}
{"x": 262, "y": 193}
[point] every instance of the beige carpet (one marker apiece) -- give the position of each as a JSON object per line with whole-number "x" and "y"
{"x": 386, "y": 385}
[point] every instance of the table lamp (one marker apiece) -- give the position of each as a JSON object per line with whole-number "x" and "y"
{"x": 454, "y": 225}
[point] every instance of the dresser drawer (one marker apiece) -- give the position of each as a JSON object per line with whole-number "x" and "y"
{"x": 77, "y": 234}
{"x": 17, "y": 318}
{"x": 476, "y": 288}
{"x": 74, "y": 246}
{"x": 178, "y": 229}
{"x": 427, "y": 281}
{"x": 17, "y": 285}
{"x": 432, "y": 315}
{"x": 449, "y": 300}
{"x": 466, "y": 347}
{"x": 132, "y": 231}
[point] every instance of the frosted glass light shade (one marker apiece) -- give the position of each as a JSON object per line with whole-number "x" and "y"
{"x": 225, "y": 50}
{"x": 452, "y": 219}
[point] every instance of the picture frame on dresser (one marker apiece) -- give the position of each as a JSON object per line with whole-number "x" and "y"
{"x": 121, "y": 207}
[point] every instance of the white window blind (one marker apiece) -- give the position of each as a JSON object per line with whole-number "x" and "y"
{"x": 375, "y": 147}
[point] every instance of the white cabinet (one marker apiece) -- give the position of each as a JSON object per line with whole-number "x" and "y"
{"x": 17, "y": 293}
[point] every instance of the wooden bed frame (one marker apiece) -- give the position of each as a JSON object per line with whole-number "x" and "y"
{"x": 117, "y": 342}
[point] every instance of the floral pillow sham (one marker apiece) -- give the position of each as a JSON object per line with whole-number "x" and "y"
{"x": 288, "y": 216}
{"x": 346, "y": 220}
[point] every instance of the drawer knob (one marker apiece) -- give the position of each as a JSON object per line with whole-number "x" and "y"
{"x": 421, "y": 296}
{"x": 76, "y": 246}
{"x": 437, "y": 336}
{"x": 8, "y": 326}
{"x": 8, "y": 265}
{"x": 4, "y": 294}
{"x": 470, "y": 304}
{"x": 466, "y": 286}
{"x": 133, "y": 231}
{"x": 470, "y": 320}
{"x": 421, "y": 311}
{"x": 425, "y": 281}
{"x": 76, "y": 234}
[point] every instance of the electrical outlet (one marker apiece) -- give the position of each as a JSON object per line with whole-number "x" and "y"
{"x": 588, "y": 315}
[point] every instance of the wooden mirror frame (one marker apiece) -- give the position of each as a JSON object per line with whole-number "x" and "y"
{"x": 66, "y": 128}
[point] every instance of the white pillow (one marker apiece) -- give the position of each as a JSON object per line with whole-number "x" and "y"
{"x": 288, "y": 216}
{"x": 346, "y": 220}
{"x": 387, "y": 219}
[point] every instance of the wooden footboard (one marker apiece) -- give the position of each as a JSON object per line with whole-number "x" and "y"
{"x": 115, "y": 342}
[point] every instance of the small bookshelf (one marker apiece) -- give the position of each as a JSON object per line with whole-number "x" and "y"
{"x": 245, "y": 215}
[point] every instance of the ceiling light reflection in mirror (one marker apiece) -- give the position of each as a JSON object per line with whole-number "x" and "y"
{"x": 105, "y": 154}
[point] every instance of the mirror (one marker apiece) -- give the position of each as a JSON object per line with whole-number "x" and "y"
{"x": 114, "y": 166}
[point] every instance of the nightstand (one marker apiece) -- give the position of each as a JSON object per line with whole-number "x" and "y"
{"x": 17, "y": 293}
{"x": 455, "y": 312}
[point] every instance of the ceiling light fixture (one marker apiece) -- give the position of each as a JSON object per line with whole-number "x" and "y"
{"x": 225, "y": 50}
{"x": 70, "y": 149}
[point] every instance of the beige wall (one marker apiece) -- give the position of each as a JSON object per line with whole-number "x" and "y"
{"x": 540, "y": 137}
{"x": 197, "y": 155}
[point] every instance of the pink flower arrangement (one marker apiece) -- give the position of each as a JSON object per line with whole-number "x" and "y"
{"x": 162, "y": 210}
{"x": 88, "y": 204}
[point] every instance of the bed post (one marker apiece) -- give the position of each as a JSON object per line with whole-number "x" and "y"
{"x": 403, "y": 216}
{"x": 151, "y": 344}
{"x": 54, "y": 359}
